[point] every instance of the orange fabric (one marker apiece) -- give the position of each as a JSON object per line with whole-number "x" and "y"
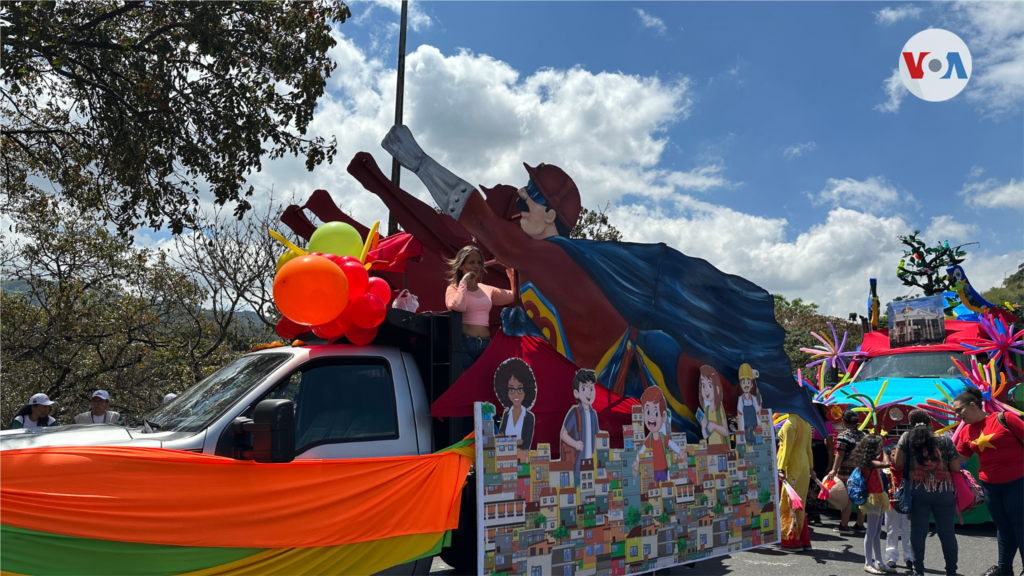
{"x": 159, "y": 496}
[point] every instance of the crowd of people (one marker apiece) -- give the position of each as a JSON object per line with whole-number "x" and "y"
{"x": 930, "y": 465}
{"x": 36, "y": 414}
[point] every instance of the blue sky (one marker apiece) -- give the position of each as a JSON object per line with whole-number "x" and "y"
{"x": 765, "y": 137}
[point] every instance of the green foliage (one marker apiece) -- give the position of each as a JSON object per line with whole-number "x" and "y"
{"x": 1011, "y": 290}
{"x": 764, "y": 496}
{"x": 561, "y": 533}
{"x": 648, "y": 508}
{"x": 133, "y": 108}
{"x": 925, "y": 268}
{"x": 97, "y": 312}
{"x": 717, "y": 508}
{"x": 799, "y": 319}
{"x": 663, "y": 518}
{"x": 594, "y": 225}
{"x": 539, "y": 520}
{"x": 703, "y": 499}
{"x": 633, "y": 517}
{"x": 487, "y": 408}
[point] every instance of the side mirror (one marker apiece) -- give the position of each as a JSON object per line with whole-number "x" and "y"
{"x": 273, "y": 432}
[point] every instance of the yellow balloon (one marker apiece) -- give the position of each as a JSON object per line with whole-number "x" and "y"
{"x": 288, "y": 255}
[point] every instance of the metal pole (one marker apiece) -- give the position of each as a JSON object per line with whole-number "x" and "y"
{"x": 396, "y": 168}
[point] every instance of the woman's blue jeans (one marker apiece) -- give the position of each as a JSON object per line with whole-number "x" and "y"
{"x": 472, "y": 348}
{"x": 1006, "y": 505}
{"x": 942, "y": 505}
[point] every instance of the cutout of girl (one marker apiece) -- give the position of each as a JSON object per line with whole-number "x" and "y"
{"x": 749, "y": 404}
{"x": 712, "y": 421}
{"x": 516, "y": 389}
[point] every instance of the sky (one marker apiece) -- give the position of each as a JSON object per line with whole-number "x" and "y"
{"x": 771, "y": 139}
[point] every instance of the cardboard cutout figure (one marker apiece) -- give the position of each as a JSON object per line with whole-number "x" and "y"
{"x": 579, "y": 429}
{"x": 749, "y": 404}
{"x": 516, "y": 389}
{"x": 712, "y": 419}
{"x": 657, "y": 444}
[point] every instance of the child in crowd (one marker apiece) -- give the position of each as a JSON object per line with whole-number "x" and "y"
{"x": 871, "y": 459}
{"x": 897, "y": 526}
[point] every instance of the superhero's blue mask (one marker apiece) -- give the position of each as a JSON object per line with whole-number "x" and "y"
{"x": 535, "y": 194}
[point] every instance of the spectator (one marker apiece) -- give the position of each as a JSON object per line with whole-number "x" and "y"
{"x": 465, "y": 294}
{"x": 897, "y": 526}
{"x": 794, "y": 462}
{"x": 36, "y": 414}
{"x": 998, "y": 440}
{"x": 821, "y": 449}
{"x": 169, "y": 397}
{"x": 842, "y": 467}
{"x": 870, "y": 458}
{"x": 99, "y": 412}
{"x": 928, "y": 462}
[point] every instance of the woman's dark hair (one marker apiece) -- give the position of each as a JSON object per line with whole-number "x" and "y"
{"x": 850, "y": 417}
{"x": 918, "y": 416}
{"x": 969, "y": 395}
{"x": 867, "y": 450}
{"x": 922, "y": 444}
{"x": 26, "y": 411}
{"x": 515, "y": 368}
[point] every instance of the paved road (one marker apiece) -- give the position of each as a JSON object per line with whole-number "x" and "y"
{"x": 835, "y": 555}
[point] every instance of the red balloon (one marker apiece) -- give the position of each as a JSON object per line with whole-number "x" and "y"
{"x": 379, "y": 287}
{"x": 358, "y": 280}
{"x": 361, "y": 336}
{"x": 350, "y": 259}
{"x": 288, "y": 329}
{"x": 335, "y": 328}
{"x": 367, "y": 311}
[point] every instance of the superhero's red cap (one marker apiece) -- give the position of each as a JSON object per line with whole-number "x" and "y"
{"x": 559, "y": 191}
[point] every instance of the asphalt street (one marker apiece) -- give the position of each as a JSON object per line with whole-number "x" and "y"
{"x": 835, "y": 554}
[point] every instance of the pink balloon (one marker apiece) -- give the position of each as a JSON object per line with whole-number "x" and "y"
{"x": 380, "y": 288}
{"x": 361, "y": 336}
{"x": 367, "y": 311}
{"x": 358, "y": 280}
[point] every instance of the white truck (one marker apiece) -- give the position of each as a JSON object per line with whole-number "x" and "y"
{"x": 315, "y": 401}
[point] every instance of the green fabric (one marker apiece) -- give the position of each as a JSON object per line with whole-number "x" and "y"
{"x": 444, "y": 542}
{"x": 459, "y": 444}
{"x": 43, "y": 554}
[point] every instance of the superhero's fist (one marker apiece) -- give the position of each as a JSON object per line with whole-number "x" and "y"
{"x": 400, "y": 144}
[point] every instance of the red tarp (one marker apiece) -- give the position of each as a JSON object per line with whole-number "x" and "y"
{"x": 554, "y": 375}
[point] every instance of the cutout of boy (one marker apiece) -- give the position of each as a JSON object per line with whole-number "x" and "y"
{"x": 657, "y": 442}
{"x": 579, "y": 429}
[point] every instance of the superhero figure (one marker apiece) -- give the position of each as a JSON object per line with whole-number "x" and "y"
{"x": 640, "y": 315}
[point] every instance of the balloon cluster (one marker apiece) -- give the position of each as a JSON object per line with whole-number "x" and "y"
{"x": 986, "y": 378}
{"x": 831, "y": 355}
{"x": 871, "y": 405}
{"x": 1000, "y": 343}
{"x": 328, "y": 290}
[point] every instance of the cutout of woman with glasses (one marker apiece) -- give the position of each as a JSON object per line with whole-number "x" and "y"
{"x": 516, "y": 388}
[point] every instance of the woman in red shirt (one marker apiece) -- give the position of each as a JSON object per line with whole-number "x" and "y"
{"x": 998, "y": 440}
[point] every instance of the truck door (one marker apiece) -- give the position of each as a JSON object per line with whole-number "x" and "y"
{"x": 347, "y": 408}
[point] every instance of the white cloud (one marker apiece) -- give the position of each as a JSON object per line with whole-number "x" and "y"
{"x": 976, "y": 171}
{"x": 797, "y": 150}
{"x": 872, "y": 195}
{"x": 895, "y": 90}
{"x": 417, "y": 18}
{"x": 994, "y": 31}
{"x": 946, "y": 228}
{"x": 992, "y": 194}
{"x": 889, "y": 16}
{"x": 651, "y": 21}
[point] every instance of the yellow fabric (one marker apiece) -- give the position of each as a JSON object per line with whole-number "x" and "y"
{"x": 348, "y": 559}
{"x": 794, "y": 459}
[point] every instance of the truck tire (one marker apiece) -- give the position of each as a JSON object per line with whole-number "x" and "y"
{"x": 461, "y": 555}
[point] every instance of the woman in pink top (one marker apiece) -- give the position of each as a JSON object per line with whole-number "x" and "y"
{"x": 467, "y": 295}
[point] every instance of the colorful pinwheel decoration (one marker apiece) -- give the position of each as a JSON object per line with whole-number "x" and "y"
{"x": 831, "y": 355}
{"x": 942, "y": 410}
{"x": 1001, "y": 344}
{"x": 986, "y": 378}
{"x": 871, "y": 405}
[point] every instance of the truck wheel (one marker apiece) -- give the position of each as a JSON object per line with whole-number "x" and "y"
{"x": 461, "y": 555}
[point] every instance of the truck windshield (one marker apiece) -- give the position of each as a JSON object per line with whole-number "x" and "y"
{"x": 915, "y": 365}
{"x": 200, "y": 404}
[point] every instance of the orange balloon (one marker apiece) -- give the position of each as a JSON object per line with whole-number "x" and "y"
{"x": 311, "y": 290}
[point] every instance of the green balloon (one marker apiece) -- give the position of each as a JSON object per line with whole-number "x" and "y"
{"x": 336, "y": 238}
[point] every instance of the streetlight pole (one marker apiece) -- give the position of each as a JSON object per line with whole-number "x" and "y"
{"x": 396, "y": 168}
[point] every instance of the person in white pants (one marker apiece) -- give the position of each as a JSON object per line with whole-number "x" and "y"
{"x": 897, "y": 526}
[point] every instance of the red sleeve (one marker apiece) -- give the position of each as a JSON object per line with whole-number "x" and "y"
{"x": 503, "y": 238}
{"x": 1016, "y": 425}
{"x": 963, "y": 443}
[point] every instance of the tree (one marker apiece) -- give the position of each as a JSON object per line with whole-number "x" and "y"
{"x": 561, "y": 533}
{"x": 594, "y": 225}
{"x": 648, "y": 508}
{"x": 663, "y": 518}
{"x": 925, "y": 268}
{"x": 632, "y": 517}
{"x": 717, "y": 508}
{"x": 799, "y": 319}
{"x": 93, "y": 311}
{"x": 539, "y": 520}
{"x": 703, "y": 499}
{"x": 764, "y": 496}
{"x": 1011, "y": 290}
{"x": 133, "y": 108}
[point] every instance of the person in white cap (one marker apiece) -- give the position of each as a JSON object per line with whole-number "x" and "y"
{"x": 36, "y": 414}
{"x": 169, "y": 397}
{"x": 98, "y": 411}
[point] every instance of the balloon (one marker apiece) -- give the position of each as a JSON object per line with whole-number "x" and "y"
{"x": 367, "y": 311}
{"x": 361, "y": 336}
{"x": 380, "y": 288}
{"x": 335, "y": 328}
{"x": 311, "y": 290}
{"x": 288, "y": 255}
{"x": 336, "y": 238}
{"x": 288, "y": 329}
{"x": 349, "y": 259}
{"x": 357, "y": 278}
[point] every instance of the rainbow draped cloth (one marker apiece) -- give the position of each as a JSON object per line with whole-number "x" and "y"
{"x": 114, "y": 511}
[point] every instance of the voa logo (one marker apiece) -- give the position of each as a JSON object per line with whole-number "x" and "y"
{"x": 935, "y": 65}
